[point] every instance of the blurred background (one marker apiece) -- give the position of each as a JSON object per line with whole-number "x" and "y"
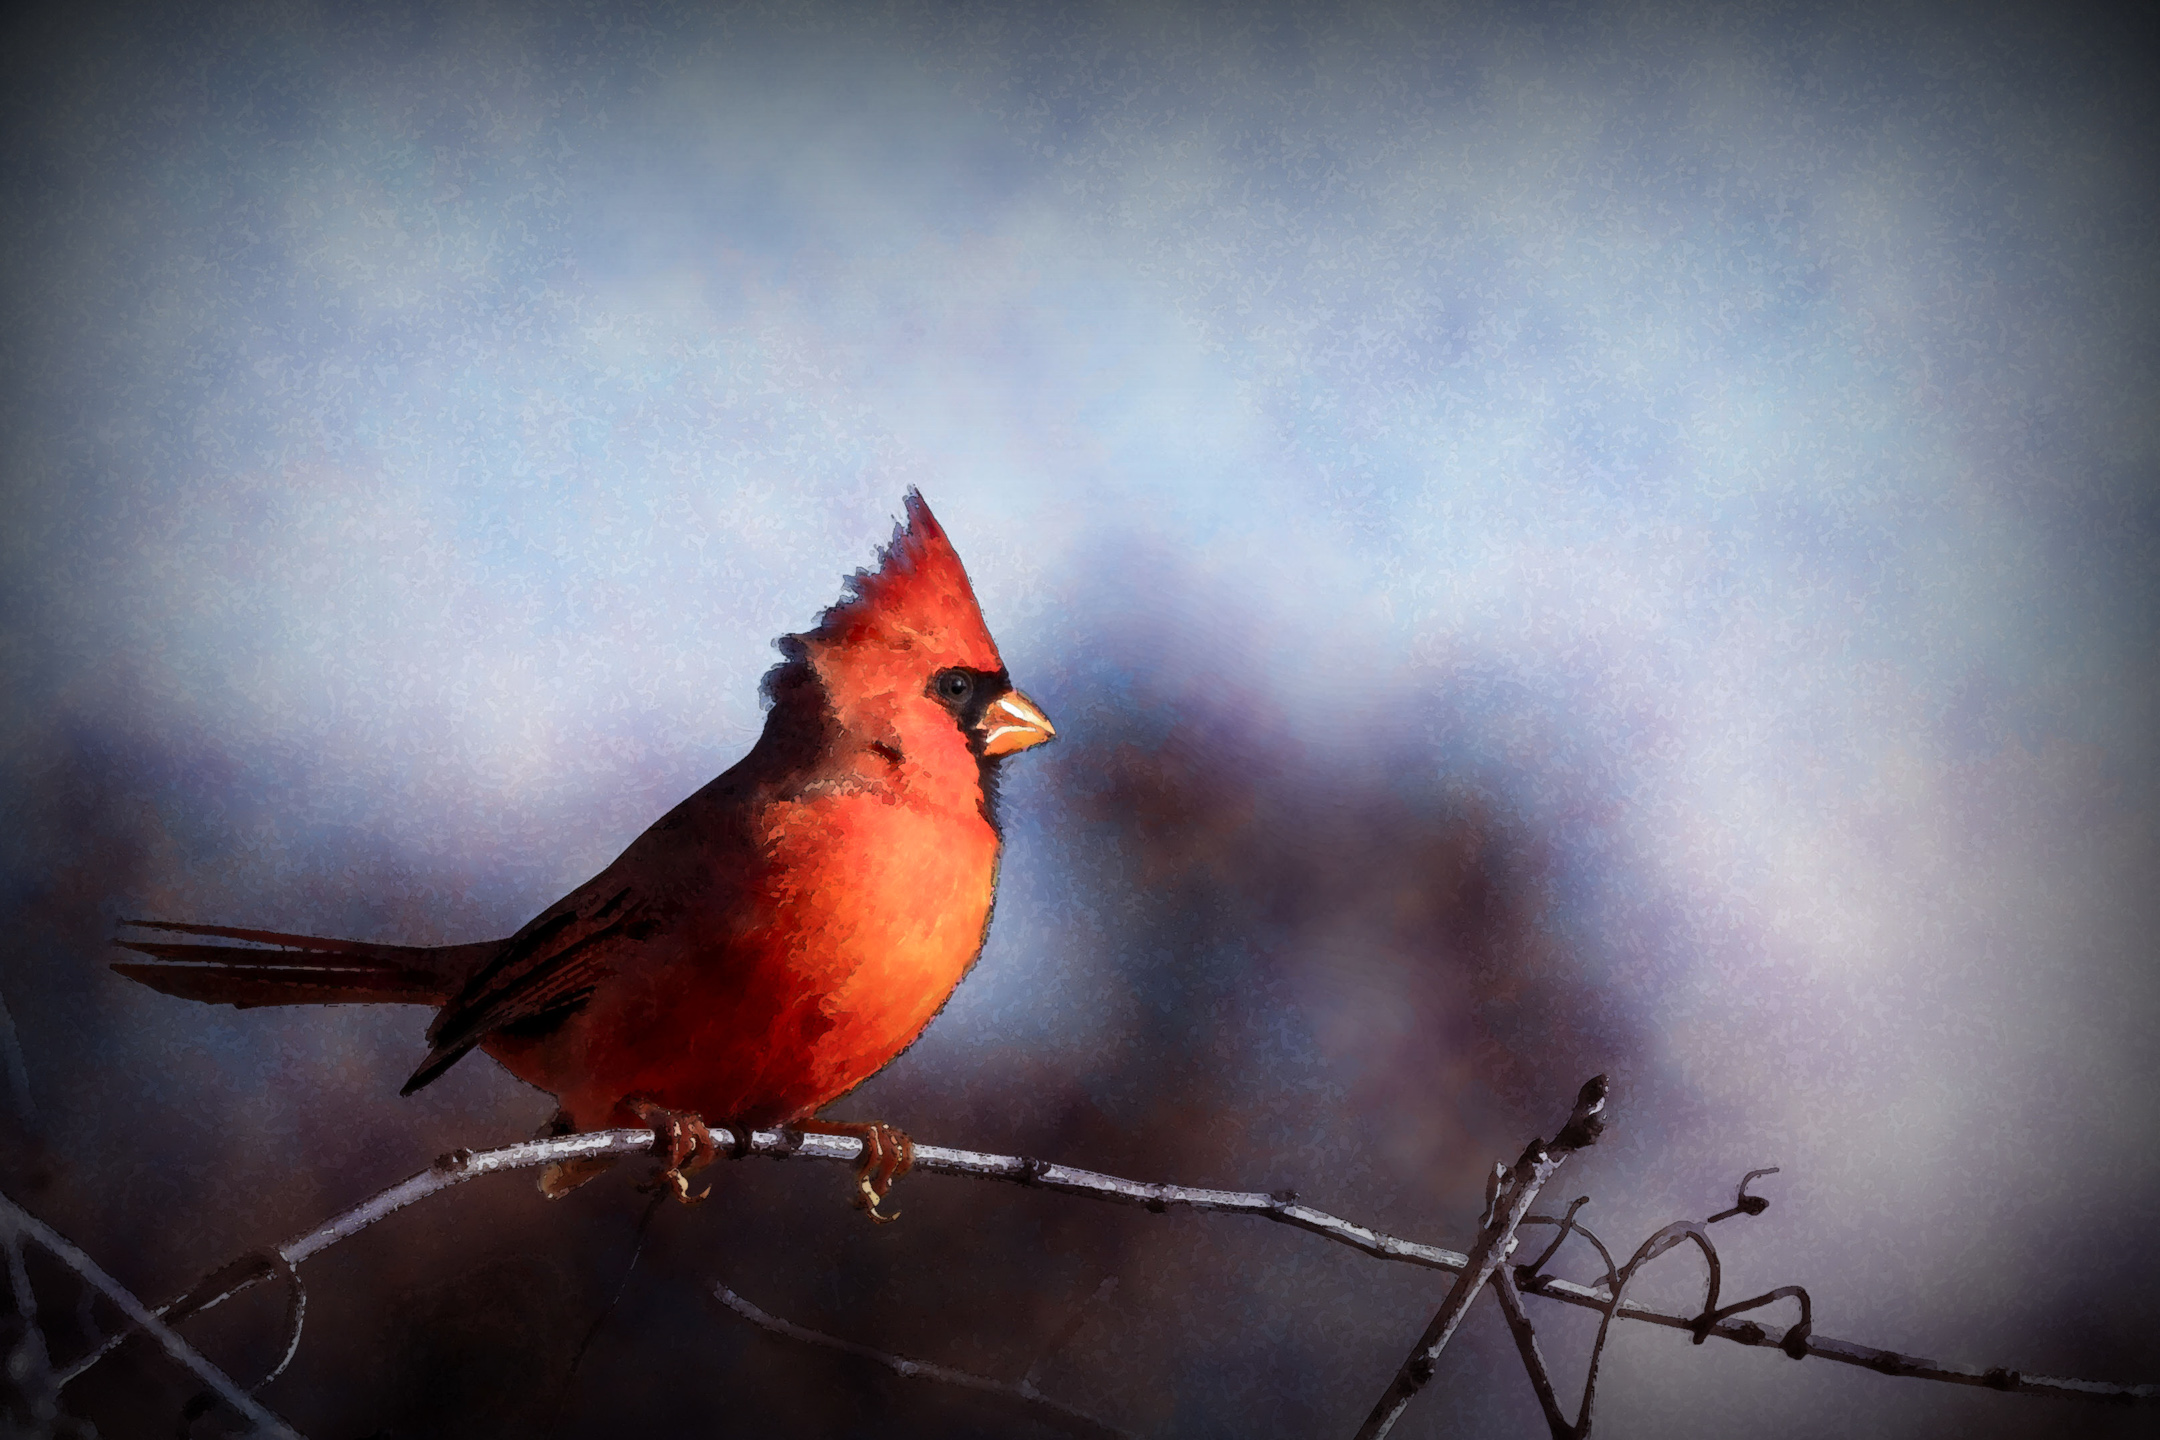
{"x": 1558, "y": 539}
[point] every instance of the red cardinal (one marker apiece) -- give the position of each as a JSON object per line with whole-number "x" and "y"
{"x": 771, "y": 942}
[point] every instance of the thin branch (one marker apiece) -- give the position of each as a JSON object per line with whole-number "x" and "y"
{"x": 1066, "y": 1332}
{"x": 27, "y": 1363}
{"x": 1511, "y": 1306}
{"x": 1024, "y": 1392}
{"x": 1506, "y": 1203}
{"x": 21, "y": 1222}
{"x": 1281, "y": 1207}
{"x": 622, "y": 1286}
{"x": 11, "y": 1060}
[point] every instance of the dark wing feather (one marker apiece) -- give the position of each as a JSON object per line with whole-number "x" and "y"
{"x": 547, "y": 969}
{"x": 691, "y": 858}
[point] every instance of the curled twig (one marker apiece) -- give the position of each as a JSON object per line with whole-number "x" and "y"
{"x": 1702, "y": 1326}
{"x": 221, "y": 1285}
{"x": 19, "y": 1222}
{"x": 1744, "y": 1203}
{"x": 1529, "y": 1272}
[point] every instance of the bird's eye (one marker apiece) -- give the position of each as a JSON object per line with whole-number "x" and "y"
{"x": 955, "y": 685}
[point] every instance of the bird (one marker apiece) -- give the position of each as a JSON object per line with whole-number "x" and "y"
{"x": 765, "y": 946}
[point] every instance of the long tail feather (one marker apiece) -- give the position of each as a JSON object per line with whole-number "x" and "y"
{"x": 273, "y": 968}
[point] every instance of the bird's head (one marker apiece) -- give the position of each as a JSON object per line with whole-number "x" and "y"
{"x": 907, "y": 664}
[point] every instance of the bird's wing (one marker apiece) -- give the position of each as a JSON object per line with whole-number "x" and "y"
{"x": 546, "y": 971}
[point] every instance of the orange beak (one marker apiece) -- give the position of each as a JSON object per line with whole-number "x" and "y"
{"x": 1013, "y": 723}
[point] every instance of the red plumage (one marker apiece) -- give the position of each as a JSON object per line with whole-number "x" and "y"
{"x": 769, "y": 943}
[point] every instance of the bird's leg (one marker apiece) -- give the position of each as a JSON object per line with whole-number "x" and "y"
{"x": 887, "y": 1154}
{"x": 683, "y": 1138}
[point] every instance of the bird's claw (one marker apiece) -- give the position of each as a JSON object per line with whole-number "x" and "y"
{"x": 686, "y": 1142}
{"x": 887, "y": 1154}
{"x": 674, "y": 1182}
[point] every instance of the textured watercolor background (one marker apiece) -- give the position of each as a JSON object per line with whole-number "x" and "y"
{"x": 1558, "y": 539}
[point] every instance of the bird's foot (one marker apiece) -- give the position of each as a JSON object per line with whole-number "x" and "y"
{"x": 562, "y": 1176}
{"x": 682, "y": 1137}
{"x": 887, "y": 1154}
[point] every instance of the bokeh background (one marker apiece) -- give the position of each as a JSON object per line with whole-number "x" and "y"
{"x": 1558, "y": 538}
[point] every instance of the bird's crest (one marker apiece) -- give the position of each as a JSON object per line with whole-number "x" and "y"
{"x": 918, "y": 595}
